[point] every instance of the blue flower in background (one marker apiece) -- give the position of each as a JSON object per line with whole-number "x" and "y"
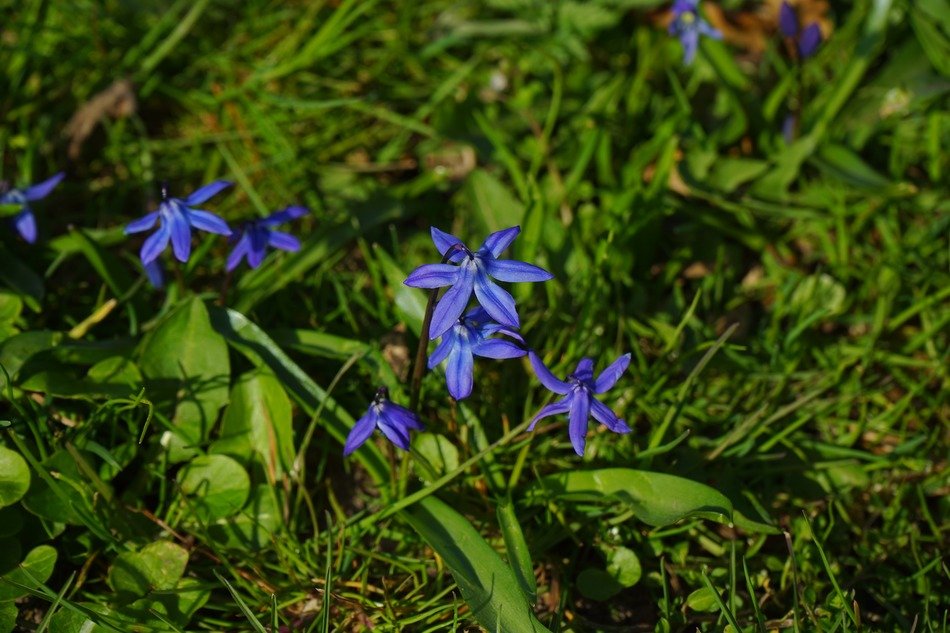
{"x": 465, "y": 340}
{"x": 24, "y": 222}
{"x": 176, "y": 218}
{"x": 155, "y": 274}
{"x": 579, "y": 401}
{"x": 394, "y": 421}
{"x": 470, "y": 272}
{"x": 255, "y": 236}
{"x": 807, "y": 40}
{"x": 688, "y": 25}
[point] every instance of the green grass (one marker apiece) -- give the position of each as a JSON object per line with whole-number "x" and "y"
{"x": 786, "y": 306}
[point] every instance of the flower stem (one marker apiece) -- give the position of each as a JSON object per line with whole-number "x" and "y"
{"x": 225, "y": 286}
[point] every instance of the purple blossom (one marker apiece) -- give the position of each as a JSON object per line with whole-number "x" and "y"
{"x": 393, "y": 420}
{"x": 155, "y": 274}
{"x": 807, "y": 39}
{"x": 255, "y": 236}
{"x": 24, "y": 222}
{"x": 469, "y": 272}
{"x": 469, "y": 337}
{"x": 579, "y": 401}
{"x": 177, "y": 218}
{"x": 688, "y": 25}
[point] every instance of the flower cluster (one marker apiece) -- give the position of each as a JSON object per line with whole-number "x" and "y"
{"x": 24, "y": 222}
{"x": 177, "y": 216}
{"x": 688, "y": 25}
{"x": 489, "y": 330}
{"x": 807, "y": 39}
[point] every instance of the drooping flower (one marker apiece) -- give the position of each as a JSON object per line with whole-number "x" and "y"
{"x": 469, "y": 337}
{"x": 393, "y": 420}
{"x": 473, "y": 271}
{"x": 579, "y": 402}
{"x": 176, "y": 218}
{"x": 155, "y": 274}
{"x": 807, "y": 39}
{"x": 24, "y": 222}
{"x": 688, "y": 25}
{"x": 255, "y": 236}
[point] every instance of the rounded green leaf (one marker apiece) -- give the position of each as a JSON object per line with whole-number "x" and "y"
{"x": 14, "y": 477}
{"x": 8, "y": 614}
{"x": 36, "y": 568}
{"x": 216, "y": 486}
{"x": 158, "y": 566}
{"x": 597, "y": 584}
{"x": 702, "y": 600}
{"x": 624, "y": 566}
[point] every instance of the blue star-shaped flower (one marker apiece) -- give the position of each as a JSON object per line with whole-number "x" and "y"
{"x": 807, "y": 40}
{"x": 23, "y": 221}
{"x": 465, "y": 340}
{"x": 579, "y": 401}
{"x": 473, "y": 272}
{"x": 688, "y": 25}
{"x": 255, "y": 236}
{"x": 394, "y": 421}
{"x": 177, "y": 219}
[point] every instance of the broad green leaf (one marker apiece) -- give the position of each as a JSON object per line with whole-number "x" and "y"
{"x": 186, "y": 362}
{"x": 728, "y": 173}
{"x": 702, "y": 600}
{"x": 158, "y": 566}
{"x": 57, "y": 504}
{"x": 657, "y": 499}
{"x": 178, "y": 604}
{"x": 11, "y": 306}
{"x": 320, "y": 343}
{"x": 494, "y": 205}
{"x": 258, "y": 424}
{"x": 36, "y": 568}
{"x": 487, "y": 584}
{"x": 115, "y": 377}
{"x": 8, "y": 615}
{"x": 623, "y": 565}
{"x": 597, "y": 584}
{"x": 516, "y": 548}
{"x": 14, "y": 477}
{"x": 440, "y": 453}
{"x": 410, "y": 302}
{"x": 16, "y": 350}
{"x": 255, "y": 526}
{"x": 253, "y": 343}
{"x": 216, "y": 486}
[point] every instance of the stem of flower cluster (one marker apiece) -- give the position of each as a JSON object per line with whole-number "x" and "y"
{"x": 422, "y": 351}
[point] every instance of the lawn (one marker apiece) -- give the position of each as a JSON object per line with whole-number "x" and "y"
{"x": 502, "y": 315}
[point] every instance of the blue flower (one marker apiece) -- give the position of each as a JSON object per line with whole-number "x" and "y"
{"x": 177, "y": 218}
{"x": 807, "y": 40}
{"x": 473, "y": 272}
{"x": 579, "y": 401}
{"x": 688, "y": 25}
{"x": 255, "y": 236}
{"x": 465, "y": 340}
{"x": 24, "y": 222}
{"x": 155, "y": 274}
{"x": 394, "y": 421}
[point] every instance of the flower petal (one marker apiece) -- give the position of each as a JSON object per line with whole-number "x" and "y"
{"x": 180, "y": 234}
{"x": 207, "y": 221}
{"x": 239, "y": 252}
{"x": 499, "y": 304}
{"x": 515, "y": 271}
{"x": 545, "y": 376}
{"x": 498, "y": 349}
{"x": 705, "y": 29}
{"x": 41, "y": 190}
{"x": 690, "y": 41}
{"x": 498, "y": 241}
{"x": 459, "y": 370}
{"x": 154, "y": 244}
{"x": 444, "y": 241}
{"x": 577, "y": 429}
{"x": 144, "y": 223}
{"x": 787, "y": 20}
{"x": 453, "y": 302}
{"x": 609, "y": 377}
{"x": 585, "y": 371}
{"x": 206, "y": 192}
{"x": 449, "y": 340}
{"x": 155, "y": 274}
{"x": 361, "y": 431}
{"x": 25, "y": 224}
{"x": 809, "y": 40}
{"x": 283, "y": 241}
{"x": 257, "y": 245}
{"x": 286, "y": 215}
{"x": 400, "y": 416}
{"x": 608, "y": 418}
{"x": 433, "y": 276}
{"x": 561, "y": 406}
{"x": 398, "y": 435}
